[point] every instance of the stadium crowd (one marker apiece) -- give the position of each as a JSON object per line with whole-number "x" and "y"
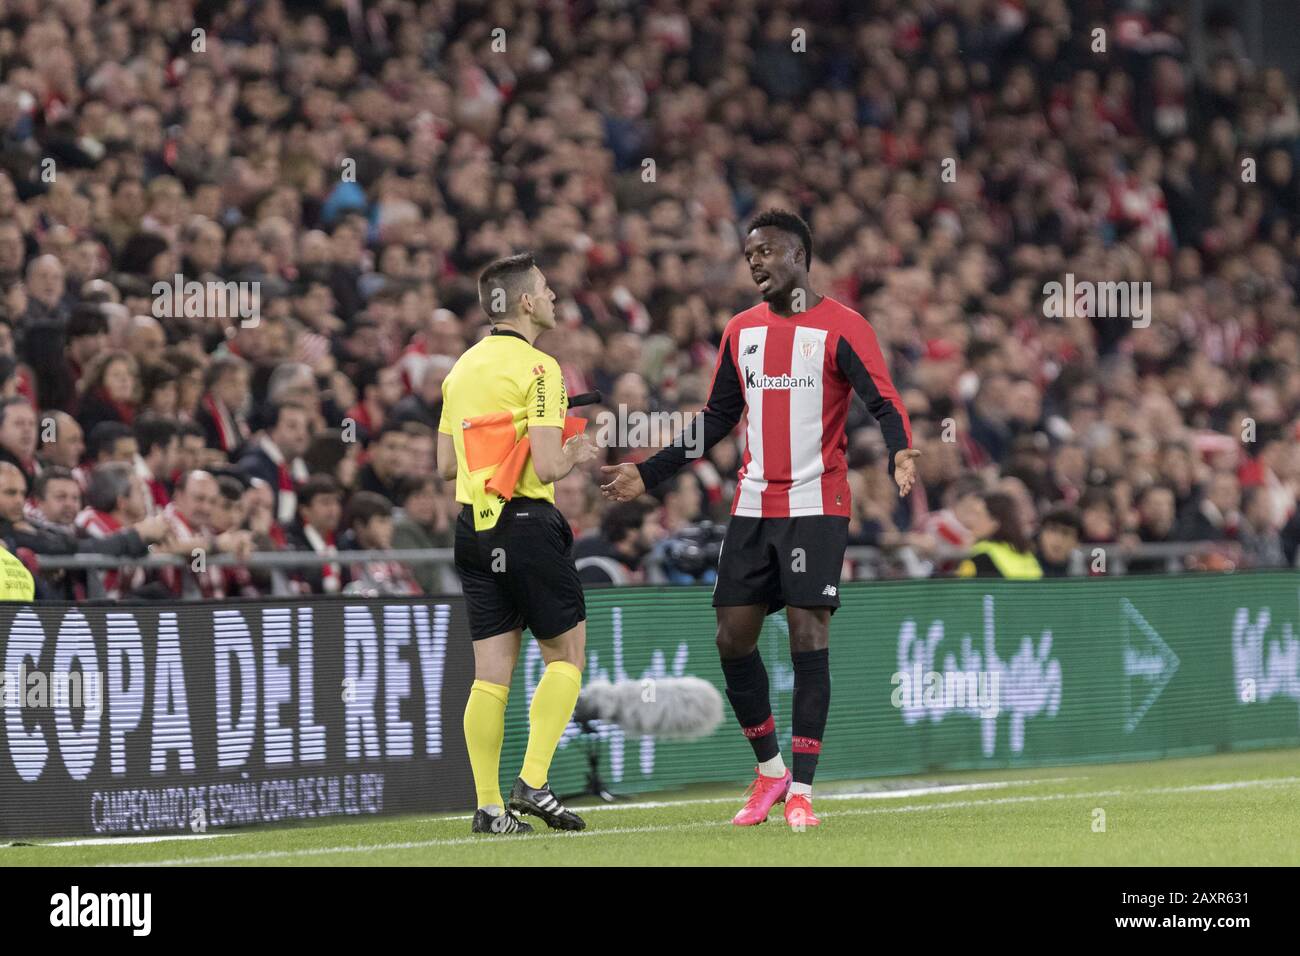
{"x": 350, "y": 166}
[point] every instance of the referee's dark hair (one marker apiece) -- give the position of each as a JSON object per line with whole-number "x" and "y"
{"x": 506, "y": 280}
{"x": 789, "y": 222}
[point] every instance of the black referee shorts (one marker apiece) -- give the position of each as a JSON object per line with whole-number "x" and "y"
{"x": 782, "y": 561}
{"x": 520, "y": 573}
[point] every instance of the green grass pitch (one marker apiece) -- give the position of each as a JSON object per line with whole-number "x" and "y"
{"x": 1235, "y": 809}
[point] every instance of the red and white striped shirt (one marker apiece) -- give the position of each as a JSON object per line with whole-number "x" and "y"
{"x": 793, "y": 377}
{"x": 102, "y": 524}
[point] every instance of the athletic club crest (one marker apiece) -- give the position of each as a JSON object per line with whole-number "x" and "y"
{"x": 808, "y": 348}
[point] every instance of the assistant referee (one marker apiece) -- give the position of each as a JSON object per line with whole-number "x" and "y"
{"x": 514, "y": 552}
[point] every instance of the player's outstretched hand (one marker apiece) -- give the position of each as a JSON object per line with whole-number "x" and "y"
{"x": 905, "y": 470}
{"x": 625, "y": 483}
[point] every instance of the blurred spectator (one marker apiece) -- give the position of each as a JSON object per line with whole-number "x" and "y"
{"x": 1006, "y": 552}
{"x": 63, "y": 442}
{"x": 111, "y": 441}
{"x": 110, "y": 390}
{"x": 320, "y": 509}
{"x": 419, "y": 524}
{"x": 370, "y": 528}
{"x": 1058, "y": 540}
{"x": 18, "y": 436}
{"x": 276, "y": 457}
{"x": 222, "y": 166}
{"x": 115, "y": 500}
{"x": 158, "y": 447}
{"x": 223, "y": 407}
{"x": 1261, "y": 542}
{"x": 387, "y": 464}
{"x": 628, "y": 531}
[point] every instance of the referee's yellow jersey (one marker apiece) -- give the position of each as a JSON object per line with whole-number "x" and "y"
{"x": 494, "y": 393}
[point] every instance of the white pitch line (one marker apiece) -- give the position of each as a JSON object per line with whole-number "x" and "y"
{"x": 616, "y": 831}
{"x": 835, "y": 795}
{"x": 899, "y": 794}
{"x": 121, "y": 840}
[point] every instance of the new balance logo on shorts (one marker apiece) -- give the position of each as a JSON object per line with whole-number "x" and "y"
{"x": 829, "y": 590}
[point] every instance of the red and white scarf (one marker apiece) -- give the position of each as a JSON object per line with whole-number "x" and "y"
{"x": 331, "y": 575}
{"x": 290, "y": 475}
{"x": 210, "y": 582}
{"x": 232, "y": 430}
{"x": 102, "y": 524}
{"x": 144, "y": 474}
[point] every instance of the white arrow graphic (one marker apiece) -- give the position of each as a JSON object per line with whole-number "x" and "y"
{"x": 1145, "y": 656}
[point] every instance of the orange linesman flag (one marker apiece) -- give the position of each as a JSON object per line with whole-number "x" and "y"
{"x": 496, "y": 452}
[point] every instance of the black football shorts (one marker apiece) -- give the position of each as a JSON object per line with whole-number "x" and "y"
{"x": 782, "y": 561}
{"x": 520, "y": 573}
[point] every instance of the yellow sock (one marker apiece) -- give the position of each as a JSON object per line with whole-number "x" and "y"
{"x": 485, "y": 727}
{"x": 553, "y": 702}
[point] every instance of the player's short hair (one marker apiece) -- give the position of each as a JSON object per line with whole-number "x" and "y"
{"x": 509, "y": 275}
{"x": 789, "y": 222}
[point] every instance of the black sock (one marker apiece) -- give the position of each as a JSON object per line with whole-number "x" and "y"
{"x": 812, "y": 701}
{"x": 747, "y": 690}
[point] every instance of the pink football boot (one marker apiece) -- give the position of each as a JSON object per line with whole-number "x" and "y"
{"x": 764, "y": 793}
{"x": 799, "y": 813}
